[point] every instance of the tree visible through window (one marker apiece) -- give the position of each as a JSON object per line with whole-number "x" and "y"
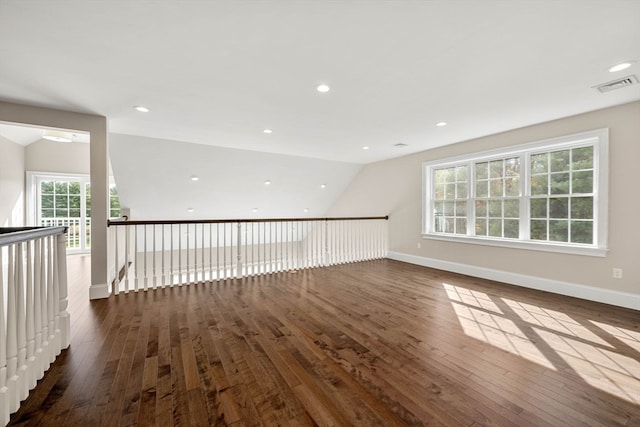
{"x": 538, "y": 193}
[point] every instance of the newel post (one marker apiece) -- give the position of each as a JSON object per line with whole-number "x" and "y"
{"x": 63, "y": 301}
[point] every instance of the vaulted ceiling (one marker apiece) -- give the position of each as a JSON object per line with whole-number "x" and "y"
{"x": 221, "y": 72}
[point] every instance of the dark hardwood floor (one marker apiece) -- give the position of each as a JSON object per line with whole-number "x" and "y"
{"x": 371, "y": 343}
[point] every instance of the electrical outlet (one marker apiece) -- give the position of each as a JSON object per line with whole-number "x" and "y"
{"x": 419, "y": 245}
{"x": 617, "y": 273}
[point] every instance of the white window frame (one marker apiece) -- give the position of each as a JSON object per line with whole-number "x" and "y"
{"x": 599, "y": 139}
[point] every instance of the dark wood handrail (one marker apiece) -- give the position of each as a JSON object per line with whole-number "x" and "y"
{"x": 10, "y": 235}
{"x": 221, "y": 221}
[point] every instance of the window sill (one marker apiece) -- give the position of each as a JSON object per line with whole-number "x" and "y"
{"x": 517, "y": 244}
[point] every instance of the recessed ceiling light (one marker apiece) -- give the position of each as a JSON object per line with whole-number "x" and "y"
{"x": 306, "y": 209}
{"x": 323, "y": 88}
{"x": 400, "y": 144}
{"x": 57, "y": 135}
{"x": 440, "y": 124}
{"x": 621, "y": 66}
{"x": 141, "y": 109}
{"x": 323, "y": 185}
{"x": 267, "y": 131}
{"x": 194, "y": 178}
{"x": 365, "y": 148}
{"x": 267, "y": 182}
{"x": 190, "y": 209}
{"x": 254, "y": 210}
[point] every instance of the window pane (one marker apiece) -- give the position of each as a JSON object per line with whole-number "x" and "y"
{"x": 538, "y": 230}
{"x": 481, "y": 208}
{"x": 495, "y": 188}
{"x": 482, "y": 189}
{"x": 449, "y": 208}
{"x": 558, "y": 231}
{"x": 539, "y": 163}
{"x": 512, "y": 167}
{"x": 461, "y": 209}
{"x": 495, "y": 208}
{"x": 61, "y": 213}
{"x": 512, "y": 187}
{"x": 511, "y": 228}
{"x": 559, "y": 183}
{"x": 461, "y": 190}
{"x": 441, "y": 176}
{"x": 495, "y": 169}
{"x": 495, "y": 227}
{"x": 438, "y": 208}
{"x": 582, "y": 232}
{"x": 62, "y": 187}
{"x": 559, "y": 160}
{"x": 74, "y": 213}
{"x": 74, "y": 187}
{"x": 559, "y": 207}
{"x": 46, "y": 187}
{"x": 582, "y": 182}
{"x": 461, "y": 226}
{"x": 61, "y": 201}
{"x": 539, "y": 185}
{"x": 450, "y": 190}
{"x": 461, "y": 173}
{"x": 512, "y": 208}
{"x": 449, "y": 224}
{"x": 482, "y": 170}
{"x": 439, "y": 191}
{"x": 582, "y": 158}
{"x": 47, "y": 213}
{"x": 47, "y": 202}
{"x": 481, "y": 227}
{"x": 582, "y": 207}
{"x": 538, "y": 208}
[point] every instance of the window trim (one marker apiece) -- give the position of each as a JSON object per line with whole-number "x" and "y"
{"x": 599, "y": 138}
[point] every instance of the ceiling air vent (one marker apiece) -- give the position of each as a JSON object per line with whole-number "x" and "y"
{"x": 617, "y": 84}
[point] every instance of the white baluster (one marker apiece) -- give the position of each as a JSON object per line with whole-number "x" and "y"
{"x": 37, "y": 306}
{"x": 4, "y": 391}
{"x": 12, "y": 340}
{"x": 64, "y": 321}
{"x": 23, "y": 390}
{"x": 30, "y": 327}
{"x": 52, "y": 350}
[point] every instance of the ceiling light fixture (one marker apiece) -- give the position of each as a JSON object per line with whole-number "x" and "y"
{"x": 267, "y": 131}
{"x": 365, "y": 148}
{"x": 621, "y": 66}
{"x": 190, "y": 210}
{"x": 323, "y": 88}
{"x": 323, "y": 185}
{"x": 57, "y": 136}
{"x": 254, "y": 210}
{"x": 267, "y": 182}
{"x": 440, "y": 124}
{"x": 194, "y": 178}
{"x": 141, "y": 109}
{"x": 306, "y": 209}
{"x": 400, "y": 144}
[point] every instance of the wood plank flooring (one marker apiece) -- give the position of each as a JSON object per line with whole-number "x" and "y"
{"x": 372, "y": 343}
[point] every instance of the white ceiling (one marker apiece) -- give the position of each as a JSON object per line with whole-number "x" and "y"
{"x": 220, "y": 72}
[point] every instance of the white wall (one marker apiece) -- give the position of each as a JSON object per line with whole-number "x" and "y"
{"x": 153, "y": 180}
{"x": 394, "y": 187}
{"x": 12, "y": 178}
{"x": 49, "y": 156}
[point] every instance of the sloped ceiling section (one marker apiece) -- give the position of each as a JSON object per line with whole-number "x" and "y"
{"x": 153, "y": 177}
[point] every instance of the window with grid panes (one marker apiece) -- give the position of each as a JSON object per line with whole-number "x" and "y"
{"x": 547, "y": 195}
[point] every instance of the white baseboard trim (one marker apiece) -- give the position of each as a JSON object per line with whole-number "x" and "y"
{"x": 620, "y": 299}
{"x": 99, "y": 291}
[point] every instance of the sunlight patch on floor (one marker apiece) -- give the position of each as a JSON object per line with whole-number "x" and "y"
{"x": 595, "y": 357}
{"x": 491, "y": 326}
